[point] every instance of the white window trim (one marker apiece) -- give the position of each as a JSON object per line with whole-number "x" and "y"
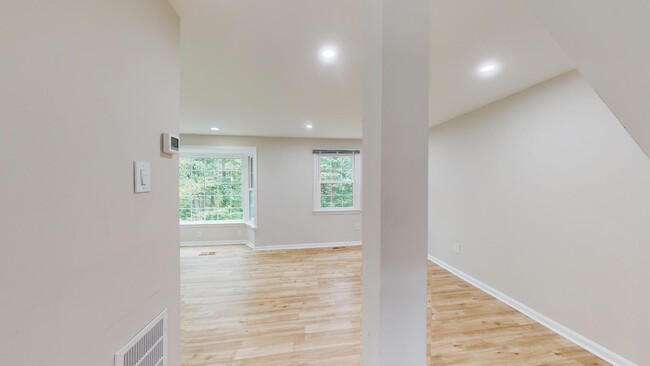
{"x": 243, "y": 153}
{"x": 208, "y": 224}
{"x": 356, "y": 188}
{"x": 216, "y": 224}
{"x": 247, "y": 214}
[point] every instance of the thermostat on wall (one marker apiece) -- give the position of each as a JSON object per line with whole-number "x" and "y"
{"x": 170, "y": 143}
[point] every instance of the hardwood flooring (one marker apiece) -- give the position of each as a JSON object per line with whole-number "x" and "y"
{"x": 303, "y": 307}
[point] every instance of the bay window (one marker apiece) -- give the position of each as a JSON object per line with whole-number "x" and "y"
{"x": 216, "y": 187}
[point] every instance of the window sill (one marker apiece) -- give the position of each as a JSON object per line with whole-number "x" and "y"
{"x": 337, "y": 212}
{"x": 204, "y": 224}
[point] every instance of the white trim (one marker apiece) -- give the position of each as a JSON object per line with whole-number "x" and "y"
{"x": 251, "y": 167}
{"x": 211, "y": 224}
{"x": 215, "y": 243}
{"x": 308, "y": 245}
{"x": 549, "y": 323}
{"x": 344, "y": 211}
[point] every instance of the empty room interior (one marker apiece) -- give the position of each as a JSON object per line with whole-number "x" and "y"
{"x": 325, "y": 182}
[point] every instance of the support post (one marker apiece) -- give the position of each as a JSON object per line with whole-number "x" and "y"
{"x": 395, "y": 148}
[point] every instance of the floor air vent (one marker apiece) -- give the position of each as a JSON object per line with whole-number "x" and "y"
{"x": 148, "y": 348}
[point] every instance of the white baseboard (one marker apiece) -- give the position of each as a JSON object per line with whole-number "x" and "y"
{"x": 308, "y": 246}
{"x": 549, "y": 323}
{"x": 269, "y": 247}
{"x": 216, "y": 243}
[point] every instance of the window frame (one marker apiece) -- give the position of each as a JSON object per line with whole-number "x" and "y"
{"x": 251, "y": 186}
{"x": 248, "y": 155}
{"x": 356, "y": 186}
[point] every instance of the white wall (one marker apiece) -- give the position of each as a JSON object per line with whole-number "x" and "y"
{"x": 215, "y": 234}
{"x": 549, "y": 198}
{"x": 607, "y": 41}
{"x": 285, "y": 188}
{"x": 87, "y": 88}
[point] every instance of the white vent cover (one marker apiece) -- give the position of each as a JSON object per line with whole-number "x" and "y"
{"x": 147, "y": 348}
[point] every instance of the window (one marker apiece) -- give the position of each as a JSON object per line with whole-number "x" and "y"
{"x": 251, "y": 189}
{"x": 216, "y": 188}
{"x": 337, "y": 180}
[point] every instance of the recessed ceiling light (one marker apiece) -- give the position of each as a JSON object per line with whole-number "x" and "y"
{"x": 309, "y": 126}
{"x": 215, "y": 128}
{"x": 328, "y": 54}
{"x": 488, "y": 69}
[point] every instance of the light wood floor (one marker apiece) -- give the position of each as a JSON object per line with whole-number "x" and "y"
{"x": 303, "y": 307}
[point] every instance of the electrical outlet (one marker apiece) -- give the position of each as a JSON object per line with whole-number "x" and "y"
{"x": 199, "y": 234}
{"x": 457, "y": 248}
{"x": 357, "y": 226}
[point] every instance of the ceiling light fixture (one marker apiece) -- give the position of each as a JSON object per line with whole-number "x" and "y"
{"x": 309, "y": 126}
{"x": 328, "y": 54}
{"x": 488, "y": 69}
{"x": 215, "y": 128}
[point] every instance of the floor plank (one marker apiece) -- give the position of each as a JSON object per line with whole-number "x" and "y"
{"x": 303, "y": 308}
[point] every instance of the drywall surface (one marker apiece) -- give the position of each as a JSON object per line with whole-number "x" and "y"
{"x": 549, "y": 198}
{"x": 395, "y": 131}
{"x": 215, "y": 234}
{"x": 285, "y": 189}
{"x": 87, "y": 88}
{"x": 608, "y": 42}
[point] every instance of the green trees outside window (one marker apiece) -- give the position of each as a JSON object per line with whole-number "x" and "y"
{"x": 336, "y": 181}
{"x": 211, "y": 189}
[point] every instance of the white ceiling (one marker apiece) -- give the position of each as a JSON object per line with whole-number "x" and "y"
{"x": 607, "y": 41}
{"x": 251, "y": 67}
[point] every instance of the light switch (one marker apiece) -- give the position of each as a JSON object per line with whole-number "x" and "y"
{"x": 142, "y": 176}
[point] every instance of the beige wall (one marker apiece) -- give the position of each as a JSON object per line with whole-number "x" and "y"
{"x": 213, "y": 234}
{"x": 549, "y": 198}
{"x": 285, "y": 193}
{"x": 604, "y": 40}
{"x": 87, "y": 88}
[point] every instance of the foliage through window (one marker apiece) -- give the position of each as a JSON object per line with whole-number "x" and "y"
{"x": 337, "y": 182}
{"x": 211, "y": 189}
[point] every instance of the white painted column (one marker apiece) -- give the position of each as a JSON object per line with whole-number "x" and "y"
{"x": 395, "y": 149}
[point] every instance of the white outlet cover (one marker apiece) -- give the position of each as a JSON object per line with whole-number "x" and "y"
{"x": 457, "y": 248}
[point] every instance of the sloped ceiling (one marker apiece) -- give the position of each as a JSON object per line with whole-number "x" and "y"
{"x": 609, "y": 42}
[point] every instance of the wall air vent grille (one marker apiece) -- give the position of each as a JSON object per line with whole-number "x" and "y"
{"x": 147, "y": 348}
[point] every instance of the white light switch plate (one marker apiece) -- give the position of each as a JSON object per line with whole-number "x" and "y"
{"x": 142, "y": 176}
